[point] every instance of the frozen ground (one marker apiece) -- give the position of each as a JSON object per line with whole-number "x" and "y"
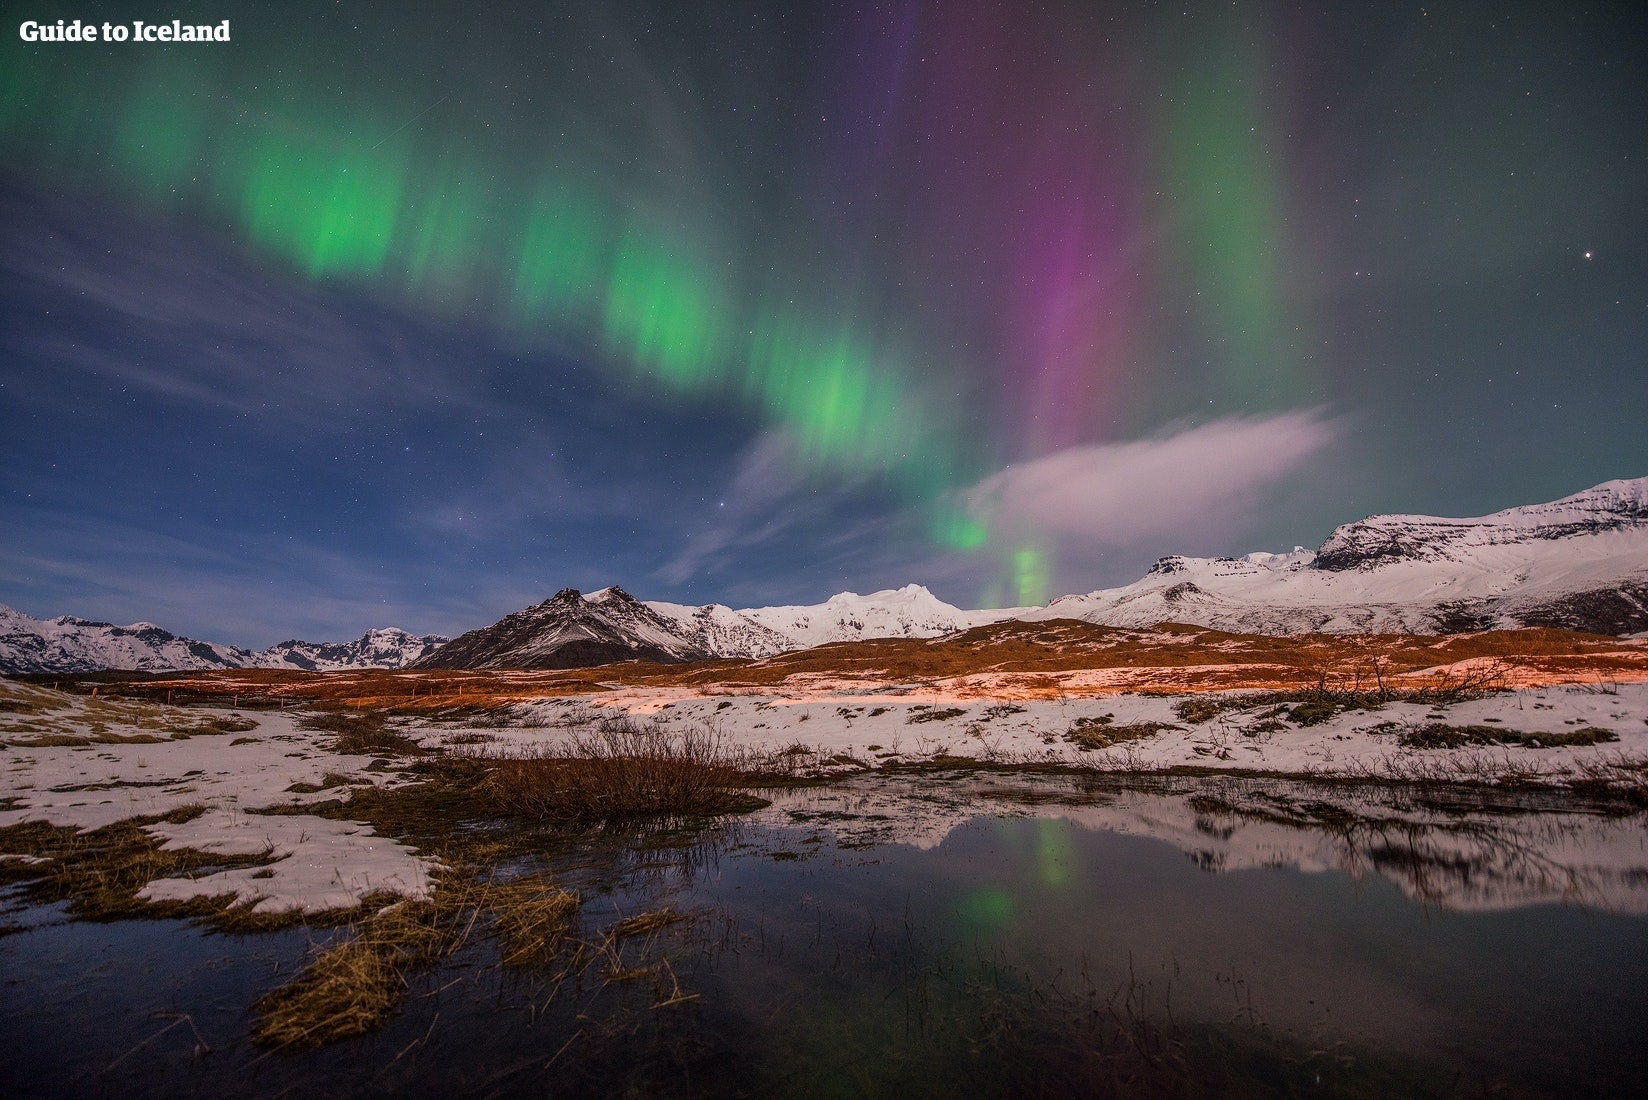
{"x": 903, "y": 725}
{"x": 148, "y": 759}
{"x": 316, "y": 863}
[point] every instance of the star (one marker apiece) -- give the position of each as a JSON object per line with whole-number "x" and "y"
{"x": 1587, "y": 255}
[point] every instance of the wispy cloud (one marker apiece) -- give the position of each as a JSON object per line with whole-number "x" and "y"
{"x": 1200, "y": 481}
{"x": 111, "y": 297}
{"x": 751, "y": 510}
{"x": 235, "y": 588}
{"x": 770, "y": 498}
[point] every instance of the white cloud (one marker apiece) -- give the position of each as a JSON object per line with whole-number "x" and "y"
{"x": 1186, "y": 481}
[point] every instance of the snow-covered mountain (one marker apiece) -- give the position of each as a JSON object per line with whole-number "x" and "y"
{"x": 570, "y": 630}
{"x": 718, "y": 630}
{"x": 1580, "y": 562}
{"x": 387, "y": 647}
{"x": 69, "y": 644}
{"x": 908, "y": 612}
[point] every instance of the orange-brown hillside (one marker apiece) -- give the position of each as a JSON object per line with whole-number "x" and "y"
{"x": 1005, "y": 660}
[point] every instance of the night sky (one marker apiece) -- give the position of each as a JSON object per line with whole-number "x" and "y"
{"x": 408, "y": 314}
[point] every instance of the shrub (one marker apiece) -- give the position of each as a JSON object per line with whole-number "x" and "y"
{"x": 620, "y": 770}
{"x": 1439, "y": 735}
{"x": 922, "y": 714}
{"x": 1099, "y": 733}
{"x": 1198, "y": 709}
{"x": 361, "y": 734}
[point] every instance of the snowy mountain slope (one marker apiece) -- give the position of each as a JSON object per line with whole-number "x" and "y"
{"x": 908, "y": 612}
{"x": 720, "y": 631}
{"x": 69, "y": 644}
{"x": 1580, "y": 562}
{"x": 570, "y": 630}
{"x": 387, "y": 647}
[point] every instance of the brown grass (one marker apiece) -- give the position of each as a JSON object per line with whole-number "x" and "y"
{"x": 1007, "y": 661}
{"x": 361, "y": 734}
{"x": 942, "y": 714}
{"x": 36, "y": 716}
{"x": 347, "y": 990}
{"x": 1101, "y": 733}
{"x": 352, "y": 985}
{"x": 533, "y": 917}
{"x": 1439, "y": 735}
{"x": 645, "y": 923}
{"x": 1615, "y": 775}
{"x": 100, "y": 873}
{"x": 622, "y": 769}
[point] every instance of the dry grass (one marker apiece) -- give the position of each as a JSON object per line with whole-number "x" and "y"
{"x": 98, "y": 733}
{"x": 79, "y": 740}
{"x": 533, "y": 918}
{"x": 942, "y": 714}
{"x": 101, "y": 872}
{"x": 646, "y": 923}
{"x": 361, "y": 734}
{"x": 35, "y": 716}
{"x": 1439, "y": 735}
{"x": 1616, "y": 775}
{"x": 1018, "y": 661}
{"x": 347, "y": 990}
{"x": 1089, "y": 734}
{"x": 622, "y": 769}
{"x": 1365, "y": 686}
{"x": 352, "y": 985}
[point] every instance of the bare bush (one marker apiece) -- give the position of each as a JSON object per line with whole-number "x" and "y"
{"x": 622, "y": 769}
{"x": 364, "y": 733}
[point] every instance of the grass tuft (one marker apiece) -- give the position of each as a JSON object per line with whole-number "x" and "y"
{"x": 622, "y": 770}
{"x": 365, "y": 734}
{"x": 1088, "y": 734}
{"x": 645, "y": 923}
{"x": 352, "y": 985}
{"x": 1439, "y": 735}
{"x": 943, "y": 714}
{"x": 533, "y": 919}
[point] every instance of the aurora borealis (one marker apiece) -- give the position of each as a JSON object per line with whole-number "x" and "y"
{"x": 417, "y": 314}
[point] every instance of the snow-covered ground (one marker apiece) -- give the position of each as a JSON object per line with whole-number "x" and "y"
{"x": 845, "y": 729}
{"x": 898, "y": 724}
{"x": 318, "y": 863}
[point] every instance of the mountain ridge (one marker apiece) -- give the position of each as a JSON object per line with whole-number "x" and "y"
{"x": 70, "y": 644}
{"x": 1579, "y": 563}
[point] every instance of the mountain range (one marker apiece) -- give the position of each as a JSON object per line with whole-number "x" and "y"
{"x": 70, "y": 644}
{"x": 571, "y": 630}
{"x": 1580, "y": 563}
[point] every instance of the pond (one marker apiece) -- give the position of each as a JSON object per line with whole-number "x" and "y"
{"x": 964, "y": 935}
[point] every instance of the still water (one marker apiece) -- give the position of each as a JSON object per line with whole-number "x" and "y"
{"x": 1001, "y": 936}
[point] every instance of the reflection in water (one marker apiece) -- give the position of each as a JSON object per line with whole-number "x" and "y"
{"x": 1447, "y": 849}
{"x": 997, "y": 935}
